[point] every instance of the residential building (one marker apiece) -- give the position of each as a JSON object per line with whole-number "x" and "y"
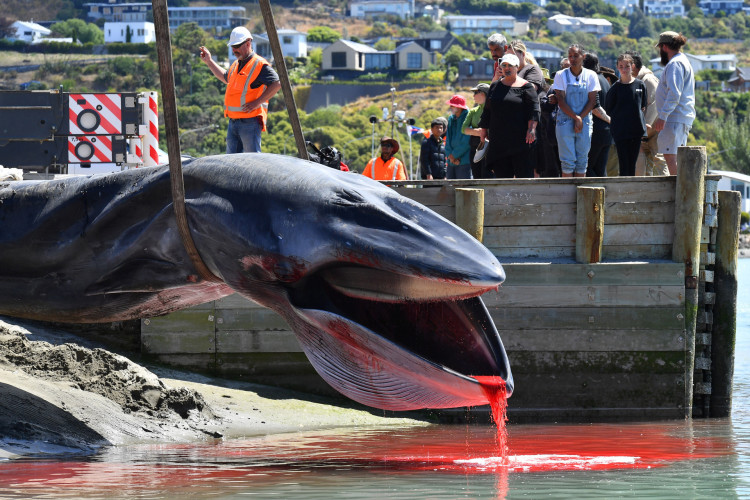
{"x": 740, "y": 80}
{"x": 29, "y": 31}
{"x": 485, "y": 25}
{"x": 434, "y": 41}
{"x": 699, "y": 63}
{"x": 129, "y": 32}
{"x": 734, "y": 181}
{"x": 345, "y": 55}
{"x": 660, "y": 9}
{"x": 712, "y": 7}
{"x": 215, "y": 18}
{"x": 472, "y": 72}
{"x": 411, "y": 56}
{"x": 561, "y": 23}
{"x": 293, "y": 44}
{"x": 626, "y": 6}
{"x": 379, "y": 8}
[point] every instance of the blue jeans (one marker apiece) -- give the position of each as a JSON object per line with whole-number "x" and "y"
{"x": 459, "y": 171}
{"x": 243, "y": 135}
{"x": 574, "y": 148}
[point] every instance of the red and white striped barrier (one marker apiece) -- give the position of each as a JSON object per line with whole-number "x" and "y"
{"x": 150, "y": 137}
{"x": 95, "y": 114}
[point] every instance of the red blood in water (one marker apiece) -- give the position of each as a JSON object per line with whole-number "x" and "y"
{"x": 494, "y": 389}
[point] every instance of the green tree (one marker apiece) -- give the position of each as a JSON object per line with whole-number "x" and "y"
{"x": 385, "y": 44}
{"x": 79, "y": 30}
{"x": 731, "y": 139}
{"x": 323, "y": 34}
{"x": 640, "y": 25}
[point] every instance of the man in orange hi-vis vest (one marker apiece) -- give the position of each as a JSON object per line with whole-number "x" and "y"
{"x": 251, "y": 82}
{"x": 387, "y": 167}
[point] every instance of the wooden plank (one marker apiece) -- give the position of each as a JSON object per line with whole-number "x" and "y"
{"x": 240, "y": 319}
{"x": 600, "y": 318}
{"x": 276, "y": 363}
{"x": 530, "y": 237}
{"x": 191, "y": 319}
{"x": 598, "y": 391}
{"x": 537, "y": 253}
{"x": 633, "y": 252}
{"x": 547, "y": 214}
{"x": 252, "y": 341}
{"x": 576, "y": 296}
{"x": 618, "y": 273}
{"x": 653, "y": 212}
{"x": 194, "y": 362}
{"x": 624, "y": 339}
{"x": 431, "y": 196}
{"x": 589, "y": 224}
{"x": 638, "y": 234}
{"x": 177, "y": 342}
{"x": 598, "y": 363}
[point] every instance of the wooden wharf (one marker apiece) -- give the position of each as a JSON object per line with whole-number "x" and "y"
{"x": 611, "y": 308}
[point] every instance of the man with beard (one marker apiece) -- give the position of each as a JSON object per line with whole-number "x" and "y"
{"x": 675, "y": 98}
{"x": 386, "y": 167}
{"x": 498, "y": 45}
{"x": 251, "y": 82}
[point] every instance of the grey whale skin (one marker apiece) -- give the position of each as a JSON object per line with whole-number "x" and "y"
{"x": 382, "y": 293}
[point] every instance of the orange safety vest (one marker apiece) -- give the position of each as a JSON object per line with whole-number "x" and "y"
{"x": 392, "y": 170}
{"x": 239, "y": 91}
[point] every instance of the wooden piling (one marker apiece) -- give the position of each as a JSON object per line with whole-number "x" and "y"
{"x": 470, "y": 211}
{"x": 589, "y": 224}
{"x": 689, "y": 197}
{"x": 725, "y": 309}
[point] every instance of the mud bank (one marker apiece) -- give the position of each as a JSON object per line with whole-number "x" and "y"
{"x": 60, "y": 395}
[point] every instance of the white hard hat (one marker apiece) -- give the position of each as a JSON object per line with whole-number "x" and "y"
{"x": 239, "y": 35}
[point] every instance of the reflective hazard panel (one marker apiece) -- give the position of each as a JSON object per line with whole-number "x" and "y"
{"x": 96, "y": 149}
{"x": 95, "y": 114}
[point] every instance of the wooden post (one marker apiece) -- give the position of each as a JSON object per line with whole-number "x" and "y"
{"x": 470, "y": 211}
{"x": 169, "y": 102}
{"x": 689, "y": 197}
{"x": 725, "y": 309}
{"x": 286, "y": 87}
{"x": 589, "y": 224}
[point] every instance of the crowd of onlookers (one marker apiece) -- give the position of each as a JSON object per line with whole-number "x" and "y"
{"x": 528, "y": 123}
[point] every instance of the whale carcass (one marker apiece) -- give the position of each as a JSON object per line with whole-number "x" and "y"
{"x": 382, "y": 293}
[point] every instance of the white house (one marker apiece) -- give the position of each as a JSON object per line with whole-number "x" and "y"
{"x": 561, "y": 23}
{"x": 129, "y": 32}
{"x": 293, "y": 44}
{"x": 378, "y": 8}
{"x": 29, "y": 32}
{"x": 663, "y": 8}
{"x": 486, "y": 25}
{"x": 626, "y": 6}
{"x": 712, "y": 61}
{"x": 734, "y": 181}
{"x": 711, "y": 7}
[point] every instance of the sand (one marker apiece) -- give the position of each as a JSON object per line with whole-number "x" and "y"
{"x": 60, "y": 394}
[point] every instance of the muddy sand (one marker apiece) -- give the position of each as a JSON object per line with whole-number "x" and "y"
{"x": 60, "y": 393}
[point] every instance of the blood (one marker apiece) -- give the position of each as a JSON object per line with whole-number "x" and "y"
{"x": 494, "y": 389}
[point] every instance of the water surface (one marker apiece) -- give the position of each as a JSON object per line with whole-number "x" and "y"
{"x": 676, "y": 459}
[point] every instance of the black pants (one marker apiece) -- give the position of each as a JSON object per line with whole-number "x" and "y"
{"x": 478, "y": 170}
{"x": 518, "y": 165}
{"x": 598, "y": 154}
{"x": 627, "y": 153}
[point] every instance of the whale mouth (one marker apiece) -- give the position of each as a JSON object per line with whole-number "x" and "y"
{"x": 399, "y": 342}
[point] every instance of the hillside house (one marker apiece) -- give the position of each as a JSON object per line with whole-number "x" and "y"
{"x": 485, "y": 25}
{"x": 28, "y": 31}
{"x": 663, "y": 9}
{"x": 561, "y": 23}
{"x": 740, "y": 80}
{"x": 373, "y": 9}
{"x": 129, "y": 32}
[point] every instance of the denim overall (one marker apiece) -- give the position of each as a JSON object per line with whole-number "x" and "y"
{"x": 574, "y": 148}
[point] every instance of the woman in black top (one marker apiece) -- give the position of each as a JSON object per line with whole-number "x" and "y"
{"x": 510, "y": 117}
{"x": 625, "y": 104}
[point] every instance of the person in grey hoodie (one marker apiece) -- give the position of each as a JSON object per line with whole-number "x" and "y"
{"x": 650, "y": 161}
{"x": 675, "y": 98}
